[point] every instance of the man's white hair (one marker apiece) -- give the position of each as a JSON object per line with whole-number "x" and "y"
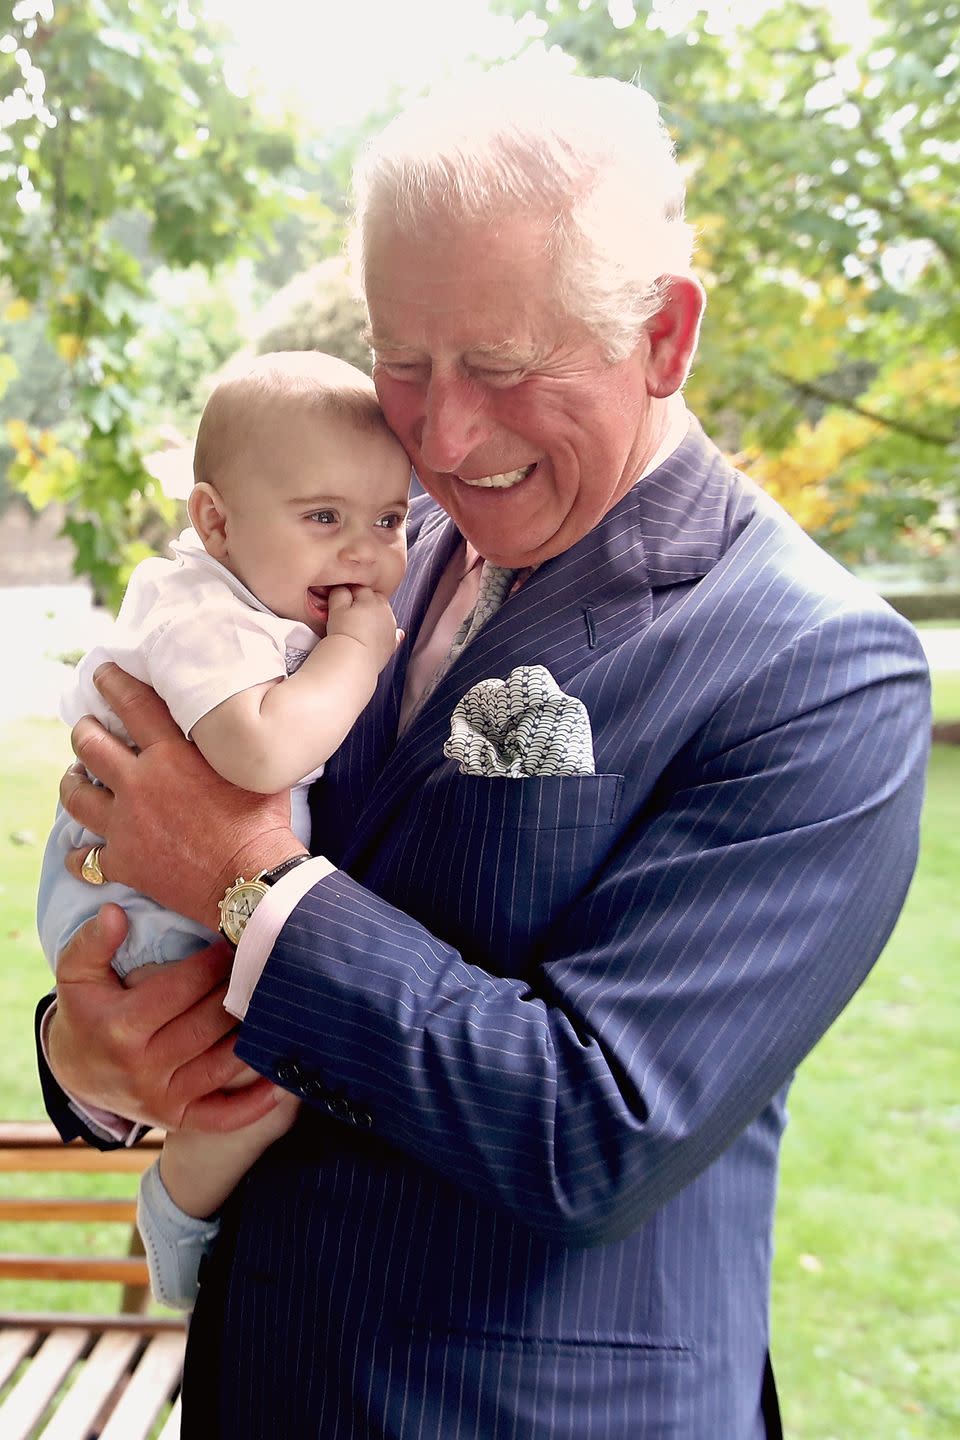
{"x": 590, "y": 159}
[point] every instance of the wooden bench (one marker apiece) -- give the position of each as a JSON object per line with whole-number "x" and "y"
{"x": 83, "y": 1377}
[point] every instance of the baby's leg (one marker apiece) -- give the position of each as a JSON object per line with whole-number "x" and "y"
{"x": 155, "y": 936}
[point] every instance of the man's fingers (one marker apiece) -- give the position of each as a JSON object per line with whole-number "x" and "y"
{"x": 181, "y": 1037}
{"x": 99, "y": 752}
{"x": 176, "y": 988}
{"x": 145, "y": 717}
{"x": 88, "y": 953}
{"x": 215, "y": 1068}
{"x": 75, "y": 858}
{"x": 88, "y": 804}
{"x": 221, "y": 1113}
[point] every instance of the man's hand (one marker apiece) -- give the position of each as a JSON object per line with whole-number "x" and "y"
{"x": 173, "y": 828}
{"x": 161, "y": 1053}
{"x": 364, "y": 614}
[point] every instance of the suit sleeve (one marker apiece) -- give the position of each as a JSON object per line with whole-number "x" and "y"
{"x": 70, "y": 1120}
{"x": 744, "y": 904}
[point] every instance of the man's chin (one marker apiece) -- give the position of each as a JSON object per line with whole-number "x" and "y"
{"x": 500, "y": 530}
{"x": 515, "y": 548}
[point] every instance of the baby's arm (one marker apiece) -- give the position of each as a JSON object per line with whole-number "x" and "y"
{"x": 200, "y": 1171}
{"x": 180, "y": 1195}
{"x": 270, "y": 736}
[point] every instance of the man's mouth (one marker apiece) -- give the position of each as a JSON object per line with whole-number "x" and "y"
{"x": 505, "y": 481}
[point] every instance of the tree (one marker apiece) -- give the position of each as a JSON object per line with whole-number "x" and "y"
{"x": 121, "y": 148}
{"x": 317, "y": 310}
{"x": 824, "y": 185}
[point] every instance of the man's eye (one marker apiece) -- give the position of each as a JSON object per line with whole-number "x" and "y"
{"x": 500, "y": 377}
{"x": 408, "y": 370}
{"x": 323, "y": 517}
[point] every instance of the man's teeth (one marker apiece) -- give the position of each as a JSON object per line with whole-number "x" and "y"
{"x": 499, "y": 482}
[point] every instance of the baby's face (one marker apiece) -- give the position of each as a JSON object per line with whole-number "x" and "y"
{"x": 319, "y": 503}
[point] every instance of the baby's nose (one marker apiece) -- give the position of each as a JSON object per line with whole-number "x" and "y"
{"x": 358, "y": 550}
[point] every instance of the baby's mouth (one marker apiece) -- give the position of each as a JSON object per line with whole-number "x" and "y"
{"x": 318, "y": 596}
{"x": 504, "y": 481}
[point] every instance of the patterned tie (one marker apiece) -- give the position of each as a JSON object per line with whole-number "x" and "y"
{"x": 496, "y": 582}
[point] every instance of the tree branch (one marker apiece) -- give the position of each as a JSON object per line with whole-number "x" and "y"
{"x": 829, "y": 397}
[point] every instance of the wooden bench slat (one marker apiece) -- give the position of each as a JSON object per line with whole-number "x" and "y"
{"x": 48, "y": 1207}
{"x": 15, "y": 1343}
{"x": 109, "y": 1360}
{"x": 155, "y": 1381}
{"x": 74, "y": 1267}
{"x": 43, "y": 1321}
{"x": 31, "y": 1396}
{"x": 71, "y": 1159}
{"x": 171, "y": 1430}
{"x": 113, "y": 1375}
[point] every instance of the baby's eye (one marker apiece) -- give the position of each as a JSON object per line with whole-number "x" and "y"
{"x": 391, "y": 522}
{"x": 323, "y": 517}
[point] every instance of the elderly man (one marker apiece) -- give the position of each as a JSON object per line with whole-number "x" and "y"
{"x": 542, "y": 1000}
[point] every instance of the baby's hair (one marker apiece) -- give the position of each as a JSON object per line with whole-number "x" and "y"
{"x": 329, "y": 388}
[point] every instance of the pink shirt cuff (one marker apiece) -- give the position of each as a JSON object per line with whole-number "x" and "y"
{"x": 267, "y": 921}
{"x": 102, "y": 1122}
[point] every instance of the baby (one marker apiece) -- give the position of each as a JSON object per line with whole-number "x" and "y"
{"x": 265, "y": 636}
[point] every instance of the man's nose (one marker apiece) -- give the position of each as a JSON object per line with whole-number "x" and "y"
{"x": 453, "y": 422}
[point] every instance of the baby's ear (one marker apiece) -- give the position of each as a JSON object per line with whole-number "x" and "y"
{"x": 208, "y": 516}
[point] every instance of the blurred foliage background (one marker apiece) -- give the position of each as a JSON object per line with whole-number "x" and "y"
{"x": 156, "y": 222}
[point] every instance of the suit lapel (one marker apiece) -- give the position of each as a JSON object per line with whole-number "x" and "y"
{"x": 571, "y": 607}
{"x": 432, "y": 550}
{"x": 352, "y": 773}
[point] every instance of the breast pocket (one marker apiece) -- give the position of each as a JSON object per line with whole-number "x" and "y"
{"x": 496, "y": 861}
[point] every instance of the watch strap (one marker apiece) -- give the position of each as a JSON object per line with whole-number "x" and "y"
{"x": 270, "y": 877}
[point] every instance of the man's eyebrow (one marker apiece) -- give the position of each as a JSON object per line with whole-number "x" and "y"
{"x": 380, "y": 341}
{"x": 502, "y": 350}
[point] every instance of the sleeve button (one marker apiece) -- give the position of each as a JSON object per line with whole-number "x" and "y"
{"x": 289, "y": 1073}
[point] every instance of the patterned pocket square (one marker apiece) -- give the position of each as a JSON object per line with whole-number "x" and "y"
{"x": 524, "y": 725}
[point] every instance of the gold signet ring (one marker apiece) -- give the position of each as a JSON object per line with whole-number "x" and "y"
{"x": 90, "y": 869}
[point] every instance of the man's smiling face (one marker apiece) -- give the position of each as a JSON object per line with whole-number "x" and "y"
{"x": 513, "y": 417}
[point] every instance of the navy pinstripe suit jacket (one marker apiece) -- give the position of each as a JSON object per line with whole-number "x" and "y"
{"x": 544, "y": 1028}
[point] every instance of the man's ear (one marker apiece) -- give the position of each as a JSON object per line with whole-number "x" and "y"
{"x": 208, "y": 516}
{"x": 673, "y": 334}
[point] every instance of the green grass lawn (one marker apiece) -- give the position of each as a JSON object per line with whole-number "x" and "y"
{"x": 33, "y": 755}
{"x": 946, "y": 695}
{"x": 866, "y": 1305}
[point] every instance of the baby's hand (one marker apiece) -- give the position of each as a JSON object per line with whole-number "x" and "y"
{"x": 366, "y": 616}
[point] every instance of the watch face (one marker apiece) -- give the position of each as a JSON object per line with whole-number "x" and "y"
{"x": 238, "y": 905}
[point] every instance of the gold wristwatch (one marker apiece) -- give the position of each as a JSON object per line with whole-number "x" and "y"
{"x": 243, "y": 896}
